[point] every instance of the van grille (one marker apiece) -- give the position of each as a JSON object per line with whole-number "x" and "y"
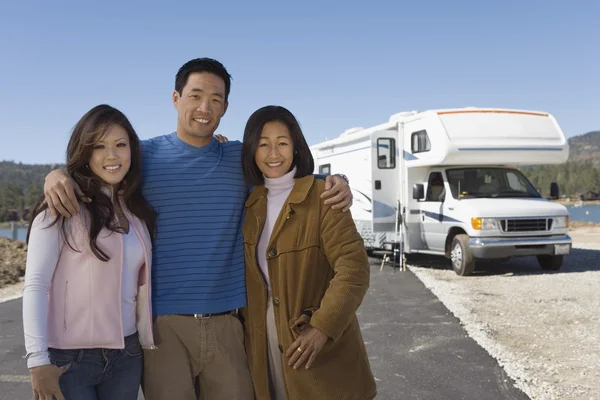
{"x": 526, "y": 225}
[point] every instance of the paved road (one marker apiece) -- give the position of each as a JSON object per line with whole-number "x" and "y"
{"x": 14, "y": 384}
{"x": 418, "y": 350}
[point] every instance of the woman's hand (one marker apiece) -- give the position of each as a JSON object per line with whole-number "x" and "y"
{"x": 306, "y": 347}
{"x": 44, "y": 381}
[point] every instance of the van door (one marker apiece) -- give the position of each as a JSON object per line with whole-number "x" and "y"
{"x": 432, "y": 212}
{"x": 385, "y": 164}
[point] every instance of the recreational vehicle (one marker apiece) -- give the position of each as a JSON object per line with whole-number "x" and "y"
{"x": 447, "y": 182}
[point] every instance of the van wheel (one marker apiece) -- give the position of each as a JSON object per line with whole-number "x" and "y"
{"x": 550, "y": 263}
{"x": 462, "y": 259}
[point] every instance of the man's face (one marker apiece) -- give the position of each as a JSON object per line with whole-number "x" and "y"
{"x": 200, "y": 108}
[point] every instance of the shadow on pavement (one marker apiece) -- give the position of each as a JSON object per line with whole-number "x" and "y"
{"x": 580, "y": 260}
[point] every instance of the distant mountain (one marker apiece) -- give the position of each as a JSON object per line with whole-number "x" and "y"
{"x": 580, "y": 175}
{"x": 21, "y": 186}
{"x": 24, "y": 175}
{"x": 585, "y": 148}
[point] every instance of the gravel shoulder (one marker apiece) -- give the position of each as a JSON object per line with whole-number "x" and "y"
{"x": 542, "y": 327}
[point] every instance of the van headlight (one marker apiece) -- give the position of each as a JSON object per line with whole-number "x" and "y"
{"x": 484, "y": 224}
{"x": 561, "y": 222}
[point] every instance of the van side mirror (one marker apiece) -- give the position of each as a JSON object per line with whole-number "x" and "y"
{"x": 418, "y": 191}
{"x": 554, "y": 192}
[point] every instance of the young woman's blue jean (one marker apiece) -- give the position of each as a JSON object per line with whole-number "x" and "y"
{"x": 101, "y": 374}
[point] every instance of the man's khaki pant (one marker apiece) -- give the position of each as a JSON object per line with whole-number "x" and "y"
{"x": 197, "y": 359}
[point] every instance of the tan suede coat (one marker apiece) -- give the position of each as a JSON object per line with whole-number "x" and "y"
{"x": 319, "y": 273}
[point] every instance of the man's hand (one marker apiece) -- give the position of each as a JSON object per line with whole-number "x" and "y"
{"x": 44, "y": 382}
{"x": 306, "y": 347}
{"x": 220, "y": 138}
{"x": 61, "y": 194}
{"x": 336, "y": 185}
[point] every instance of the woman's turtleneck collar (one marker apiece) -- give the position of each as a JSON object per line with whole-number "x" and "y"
{"x": 285, "y": 182}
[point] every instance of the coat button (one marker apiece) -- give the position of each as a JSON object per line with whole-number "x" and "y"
{"x": 276, "y": 302}
{"x": 272, "y": 252}
{"x": 280, "y": 348}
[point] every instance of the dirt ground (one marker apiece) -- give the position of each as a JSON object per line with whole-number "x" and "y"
{"x": 13, "y": 256}
{"x": 585, "y": 233}
{"x": 542, "y": 327}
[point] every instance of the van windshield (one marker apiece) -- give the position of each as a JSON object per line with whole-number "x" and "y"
{"x": 489, "y": 182}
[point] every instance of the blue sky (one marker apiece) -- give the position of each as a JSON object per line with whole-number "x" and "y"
{"x": 334, "y": 65}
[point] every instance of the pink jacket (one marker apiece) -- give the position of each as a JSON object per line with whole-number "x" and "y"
{"x": 85, "y": 295}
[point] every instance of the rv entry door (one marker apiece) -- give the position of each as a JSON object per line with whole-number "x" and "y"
{"x": 385, "y": 164}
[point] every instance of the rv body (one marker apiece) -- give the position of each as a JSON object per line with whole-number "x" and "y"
{"x": 446, "y": 182}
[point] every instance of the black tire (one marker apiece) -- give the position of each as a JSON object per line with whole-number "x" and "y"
{"x": 463, "y": 262}
{"x": 550, "y": 263}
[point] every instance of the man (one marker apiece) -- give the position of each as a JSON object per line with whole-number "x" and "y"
{"x": 197, "y": 187}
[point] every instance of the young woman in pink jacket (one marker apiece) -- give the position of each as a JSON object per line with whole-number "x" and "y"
{"x": 86, "y": 299}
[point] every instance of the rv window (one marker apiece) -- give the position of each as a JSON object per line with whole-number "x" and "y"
{"x": 490, "y": 182}
{"x": 325, "y": 169}
{"x": 435, "y": 187}
{"x": 420, "y": 142}
{"x": 516, "y": 182}
{"x": 386, "y": 153}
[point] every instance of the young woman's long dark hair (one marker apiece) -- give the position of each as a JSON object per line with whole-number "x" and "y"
{"x": 88, "y": 131}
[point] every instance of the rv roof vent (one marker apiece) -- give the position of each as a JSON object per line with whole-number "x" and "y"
{"x": 402, "y": 114}
{"x": 352, "y": 130}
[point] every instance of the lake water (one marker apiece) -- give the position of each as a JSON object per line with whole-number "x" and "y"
{"x": 21, "y": 233}
{"x": 589, "y": 213}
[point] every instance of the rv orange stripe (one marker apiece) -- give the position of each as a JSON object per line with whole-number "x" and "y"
{"x": 493, "y": 111}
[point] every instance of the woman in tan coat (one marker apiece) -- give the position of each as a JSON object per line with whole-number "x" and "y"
{"x": 306, "y": 273}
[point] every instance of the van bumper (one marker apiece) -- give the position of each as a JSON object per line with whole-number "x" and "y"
{"x": 518, "y": 247}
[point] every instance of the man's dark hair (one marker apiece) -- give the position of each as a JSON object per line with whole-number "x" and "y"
{"x": 202, "y": 65}
{"x": 303, "y": 159}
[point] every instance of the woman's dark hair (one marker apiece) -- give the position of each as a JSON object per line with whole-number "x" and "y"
{"x": 303, "y": 159}
{"x": 202, "y": 65}
{"x": 87, "y": 132}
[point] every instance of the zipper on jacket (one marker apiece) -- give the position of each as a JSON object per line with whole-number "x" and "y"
{"x": 121, "y": 284}
{"x": 148, "y": 283}
{"x": 65, "y": 307}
